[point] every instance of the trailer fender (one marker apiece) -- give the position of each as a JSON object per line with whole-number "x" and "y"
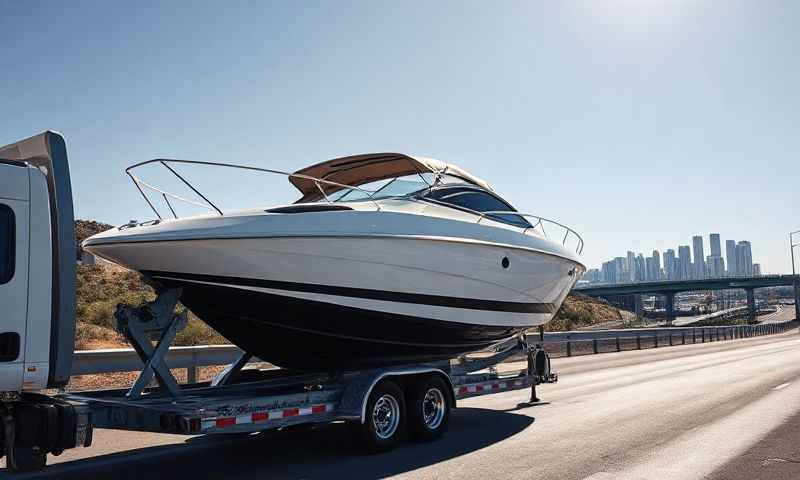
{"x": 354, "y": 397}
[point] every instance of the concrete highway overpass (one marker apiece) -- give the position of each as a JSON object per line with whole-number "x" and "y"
{"x": 671, "y": 287}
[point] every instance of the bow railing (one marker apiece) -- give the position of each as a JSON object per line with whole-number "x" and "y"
{"x": 538, "y": 226}
{"x": 141, "y": 185}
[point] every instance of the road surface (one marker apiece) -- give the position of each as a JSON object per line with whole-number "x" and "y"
{"x": 724, "y": 410}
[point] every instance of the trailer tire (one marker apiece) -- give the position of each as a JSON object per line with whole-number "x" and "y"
{"x": 384, "y": 419}
{"x": 428, "y": 409}
{"x": 26, "y": 459}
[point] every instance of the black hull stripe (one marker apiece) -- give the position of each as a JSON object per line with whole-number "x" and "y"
{"x": 403, "y": 297}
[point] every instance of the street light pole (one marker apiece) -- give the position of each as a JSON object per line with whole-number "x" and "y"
{"x": 794, "y": 275}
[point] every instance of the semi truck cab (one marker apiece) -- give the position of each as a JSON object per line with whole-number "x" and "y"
{"x": 37, "y": 265}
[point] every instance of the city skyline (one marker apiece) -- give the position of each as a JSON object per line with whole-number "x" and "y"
{"x": 690, "y": 263}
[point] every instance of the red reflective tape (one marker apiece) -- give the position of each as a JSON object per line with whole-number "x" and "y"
{"x": 463, "y": 390}
{"x": 318, "y": 409}
{"x": 495, "y": 386}
{"x": 291, "y": 412}
{"x": 479, "y": 388}
{"x": 260, "y": 416}
{"x": 225, "y": 422}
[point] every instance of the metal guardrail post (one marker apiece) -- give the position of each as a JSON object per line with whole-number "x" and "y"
{"x": 638, "y": 342}
{"x": 618, "y": 346}
{"x": 703, "y": 336}
{"x": 670, "y": 339}
{"x": 683, "y": 337}
{"x": 569, "y": 349}
{"x": 655, "y": 340}
{"x": 191, "y": 374}
{"x": 694, "y": 336}
{"x": 594, "y": 346}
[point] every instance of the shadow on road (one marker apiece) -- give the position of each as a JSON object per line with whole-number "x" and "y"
{"x": 326, "y": 452}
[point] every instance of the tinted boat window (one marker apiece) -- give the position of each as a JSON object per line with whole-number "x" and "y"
{"x": 479, "y": 201}
{"x": 6, "y": 243}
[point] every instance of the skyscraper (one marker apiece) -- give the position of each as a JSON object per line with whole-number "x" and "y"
{"x": 641, "y": 268}
{"x": 619, "y": 267}
{"x": 699, "y": 258}
{"x": 649, "y": 268}
{"x": 631, "y": 266}
{"x": 670, "y": 264}
{"x": 609, "y": 272}
{"x": 744, "y": 259}
{"x": 684, "y": 263}
{"x": 756, "y": 269}
{"x": 715, "y": 265}
{"x": 716, "y": 251}
{"x": 730, "y": 256}
{"x": 656, "y": 265}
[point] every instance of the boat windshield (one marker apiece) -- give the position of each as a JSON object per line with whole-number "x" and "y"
{"x": 395, "y": 187}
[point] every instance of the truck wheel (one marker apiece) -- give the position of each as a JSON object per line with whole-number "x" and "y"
{"x": 26, "y": 459}
{"x": 384, "y": 421}
{"x": 428, "y": 409}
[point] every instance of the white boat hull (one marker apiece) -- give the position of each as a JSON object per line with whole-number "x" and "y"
{"x": 354, "y": 300}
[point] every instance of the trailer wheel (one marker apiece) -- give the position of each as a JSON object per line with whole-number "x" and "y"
{"x": 26, "y": 459}
{"x": 428, "y": 409}
{"x": 384, "y": 421}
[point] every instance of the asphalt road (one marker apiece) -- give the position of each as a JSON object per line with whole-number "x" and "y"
{"x": 723, "y": 410}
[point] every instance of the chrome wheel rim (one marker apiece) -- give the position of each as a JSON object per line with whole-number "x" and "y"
{"x": 433, "y": 408}
{"x": 386, "y": 416}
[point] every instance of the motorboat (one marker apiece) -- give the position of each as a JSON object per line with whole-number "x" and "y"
{"x": 385, "y": 259}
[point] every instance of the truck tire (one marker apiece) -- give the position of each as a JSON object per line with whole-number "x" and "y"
{"x": 26, "y": 459}
{"x": 428, "y": 409}
{"x": 384, "y": 419}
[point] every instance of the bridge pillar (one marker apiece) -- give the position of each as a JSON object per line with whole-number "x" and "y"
{"x": 751, "y": 304}
{"x": 669, "y": 306}
{"x": 637, "y": 306}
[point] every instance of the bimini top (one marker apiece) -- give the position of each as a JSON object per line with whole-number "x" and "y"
{"x": 370, "y": 167}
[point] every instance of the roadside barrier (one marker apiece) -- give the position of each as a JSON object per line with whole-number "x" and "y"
{"x": 558, "y": 344}
{"x": 608, "y": 341}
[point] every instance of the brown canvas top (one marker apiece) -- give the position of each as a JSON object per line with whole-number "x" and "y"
{"x": 360, "y": 169}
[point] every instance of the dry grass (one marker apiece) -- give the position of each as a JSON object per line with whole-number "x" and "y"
{"x": 580, "y": 311}
{"x": 100, "y": 288}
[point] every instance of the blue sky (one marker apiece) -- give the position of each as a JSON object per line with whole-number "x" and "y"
{"x": 637, "y": 122}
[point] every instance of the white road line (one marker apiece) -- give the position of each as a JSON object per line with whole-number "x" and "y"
{"x": 697, "y": 453}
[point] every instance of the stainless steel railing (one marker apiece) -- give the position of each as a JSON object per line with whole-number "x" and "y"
{"x": 141, "y": 185}
{"x": 540, "y": 224}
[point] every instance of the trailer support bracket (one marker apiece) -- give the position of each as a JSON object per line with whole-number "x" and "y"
{"x": 140, "y": 325}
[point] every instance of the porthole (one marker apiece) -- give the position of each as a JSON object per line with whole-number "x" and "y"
{"x": 505, "y": 262}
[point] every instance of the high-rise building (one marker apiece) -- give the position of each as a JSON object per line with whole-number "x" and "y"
{"x": 641, "y": 268}
{"x": 631, "y": 261}
{"x": 699, "y": 258}
{"x": 670, "y": 264}
{"x": 593, "y": 275}
{"x": 716, "y": 251}
{"x": 756, "y": 269}
{"x": 684, "y": 263}
{"x": 716, "y": 266}
{"x": 609, "y": 272}
{"x": 730, "y": 256}
{"x": 656, "y": 265}
{"x": 619, "y": 270}
{"x": 744, "y": 259}
{"x": 649, "y": 268}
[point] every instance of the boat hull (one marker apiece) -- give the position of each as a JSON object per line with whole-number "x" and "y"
{"x": 311, "y": 335}
{"x": 337, "y": 302}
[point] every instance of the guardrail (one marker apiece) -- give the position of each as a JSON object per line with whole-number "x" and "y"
{"x": 558, "y": 344}
{"x": 607, "y": 341}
